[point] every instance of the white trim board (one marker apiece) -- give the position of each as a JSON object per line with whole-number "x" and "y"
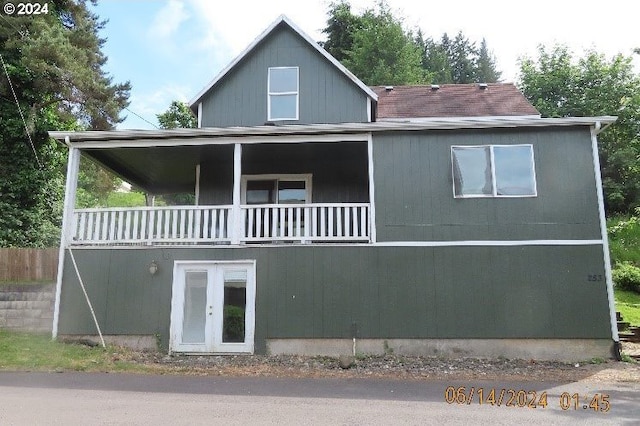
{"x": 603, "y": 231}
{"x": 111, "y": 137}
{"x": 249, "y": 140}
{"x": 470, "y": 243}
{"x": 489, "y": 243}
{"x": 372, "y": 191}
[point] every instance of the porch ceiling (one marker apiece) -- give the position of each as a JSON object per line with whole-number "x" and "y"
{"x": 159, "y": 170}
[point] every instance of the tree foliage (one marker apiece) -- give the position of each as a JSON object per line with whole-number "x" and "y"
{"x": 374, "y": 45}
{"x": 341, "y": 26}
{"x": 52, "y": 65}
{"x": 486, "y": 70}
{"x": 377, "y": 48}
{"x": 178, "y": 116}
{"x": 559, "y": 85}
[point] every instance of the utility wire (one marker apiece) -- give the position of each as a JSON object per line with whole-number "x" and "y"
{"x": 24, "y": 122}
{"x": 142, "y": 118}
{"x": 9, "y": 22}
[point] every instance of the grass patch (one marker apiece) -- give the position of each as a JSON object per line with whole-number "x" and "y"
{"x": 30, "y": 352}
{"x": 624, "y": 239}
{"x": 627, "y": 297}
{"x": 628, "y": 304}
{"x": 624, "y": 246}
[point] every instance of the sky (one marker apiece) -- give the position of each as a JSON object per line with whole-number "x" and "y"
{"x": 171, "y": 49}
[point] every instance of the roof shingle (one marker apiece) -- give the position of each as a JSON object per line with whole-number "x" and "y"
{"x": 452, "y": 100}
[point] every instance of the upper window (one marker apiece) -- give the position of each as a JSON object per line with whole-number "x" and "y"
{"x": 283, "y": 93}
{"x": 493, "y": 171}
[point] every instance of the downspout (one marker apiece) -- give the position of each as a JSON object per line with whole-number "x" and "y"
{"x": 605, "y": 240}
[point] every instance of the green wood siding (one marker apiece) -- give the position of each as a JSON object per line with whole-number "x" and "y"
{"x": 325, "y": 94}
{"x": 339, "y": 170}
{"x": 216, "y": 177}
{"x": 381, "y": 292}
{"x": 414, "y": 195}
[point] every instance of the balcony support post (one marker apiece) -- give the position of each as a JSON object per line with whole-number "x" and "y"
{"x": 372, "y": 192}
{"x": 235, "y": 222}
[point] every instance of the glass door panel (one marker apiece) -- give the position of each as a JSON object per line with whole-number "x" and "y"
{"x": 261, "y": 192}
{"x": 234, "y": 308}
{"x": 292, "y": 192}
{"x": 195, "y": 307}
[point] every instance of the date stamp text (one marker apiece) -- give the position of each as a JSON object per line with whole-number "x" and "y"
{"x": 462, "y": 395}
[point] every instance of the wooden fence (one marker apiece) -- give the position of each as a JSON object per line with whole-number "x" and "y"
{"x": 28, "y": 264}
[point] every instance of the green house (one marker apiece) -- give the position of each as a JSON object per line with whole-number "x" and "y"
{"x": 331, "y": 217}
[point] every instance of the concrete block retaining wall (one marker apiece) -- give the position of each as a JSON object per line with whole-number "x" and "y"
{"x": 27, "y": 307}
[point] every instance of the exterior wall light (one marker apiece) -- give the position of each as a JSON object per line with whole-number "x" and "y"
{"x": 153, "y": 267}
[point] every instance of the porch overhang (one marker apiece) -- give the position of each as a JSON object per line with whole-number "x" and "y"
{"x": 256, "y": 134}
{"x": 127, "y": 153}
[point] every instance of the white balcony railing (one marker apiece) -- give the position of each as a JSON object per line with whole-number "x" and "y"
{"x": 306, "y": 222}
{"x": 176, "y": 224}
{"x": 348, "y": 222}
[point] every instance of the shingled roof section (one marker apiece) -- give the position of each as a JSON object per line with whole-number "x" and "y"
{"x": 452, "y": 100}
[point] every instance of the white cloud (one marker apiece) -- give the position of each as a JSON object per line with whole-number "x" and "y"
{"x": 149, "y": 104}
{"x": 168, "y": 20}
{"x": 510, "y": 31}
{"x": 235, "y": 24}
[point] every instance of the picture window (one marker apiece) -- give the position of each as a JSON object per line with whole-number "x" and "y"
{"x": 493, "y": 171}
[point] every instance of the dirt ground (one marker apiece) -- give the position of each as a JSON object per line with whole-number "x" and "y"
{"x": 398, "y": 367}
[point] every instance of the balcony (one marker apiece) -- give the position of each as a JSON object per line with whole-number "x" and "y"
{"x": 210, "y": 225}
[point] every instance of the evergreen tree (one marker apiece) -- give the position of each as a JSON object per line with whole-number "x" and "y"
{"x": 462, "y": 59}
{"x": 486, "y": 71}
{"x": 435, "y": 61}
{"x": 379, "y": 50}
{"x": 52, "y": 66}
{"x": 341, "y": 26}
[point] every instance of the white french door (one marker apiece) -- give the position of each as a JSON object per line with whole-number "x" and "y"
{"x": 213, "y": 307}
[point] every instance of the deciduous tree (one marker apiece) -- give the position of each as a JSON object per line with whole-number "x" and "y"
{"x": 178, "y": 116}
{"x": 560, "y": 85}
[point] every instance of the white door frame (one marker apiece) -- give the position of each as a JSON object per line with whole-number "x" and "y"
{"x": 215, "y": 289}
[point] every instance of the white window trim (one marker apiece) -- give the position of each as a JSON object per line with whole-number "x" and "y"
{"x": 270, "y": 94}
{"x": 306, "y": 177}
{"x": 493, "y": 173}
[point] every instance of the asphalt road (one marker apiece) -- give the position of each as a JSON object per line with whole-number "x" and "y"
{"x": 125, "y": 399}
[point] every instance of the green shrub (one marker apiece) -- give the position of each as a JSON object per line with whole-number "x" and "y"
{"x": 626, "y": 276}
{"x": 233, "y": 328}
{"x": 624, "y": 239}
